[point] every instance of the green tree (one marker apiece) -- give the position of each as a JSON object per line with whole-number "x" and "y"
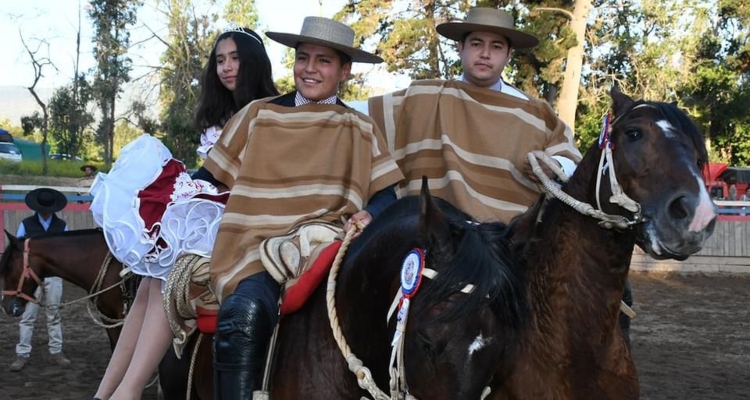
{"x": 403, "y": 34}
{"x": 111, "y": 19}
{"x": 718, "y": 85}
{"x": 69, "y": 118}
{"x": 191, "y": 34}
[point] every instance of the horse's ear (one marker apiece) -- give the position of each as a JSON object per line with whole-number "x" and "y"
{"x": 523, "y": 227}
{"x": 432, "y": 222}
{"x": 12, "y": 240}
{"x": 620, "y": 101}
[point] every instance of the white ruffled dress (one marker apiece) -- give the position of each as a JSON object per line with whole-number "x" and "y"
{"x": 152, "y": 212}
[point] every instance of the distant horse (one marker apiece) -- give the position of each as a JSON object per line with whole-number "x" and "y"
{"x": 75, "y": 256}
{"x": 575, "y": 267}
{"x": 453, "y": 339}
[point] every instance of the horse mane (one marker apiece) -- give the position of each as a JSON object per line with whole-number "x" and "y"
{"x": 482, "y": 258}
{"x": 5, "y": 259}
{"x": 73, "y": 233}
{"x": 478, "y": 254}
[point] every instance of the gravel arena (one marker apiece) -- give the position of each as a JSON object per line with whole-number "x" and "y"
{"x": 691, "y": 340}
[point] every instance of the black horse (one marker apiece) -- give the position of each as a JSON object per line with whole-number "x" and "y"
{"x": 454, "y": 339}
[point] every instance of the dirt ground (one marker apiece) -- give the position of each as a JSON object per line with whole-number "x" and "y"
{"x": 691, "y": 340}
{"x": 84, "y": 343}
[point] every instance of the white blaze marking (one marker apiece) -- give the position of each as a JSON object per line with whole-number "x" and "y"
{"x": 667, "y": 128}
{"x": 706, "y": 210}
{"x": 478, "y": 343}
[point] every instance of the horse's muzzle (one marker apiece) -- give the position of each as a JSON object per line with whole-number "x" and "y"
{"x": 13, "y": 307}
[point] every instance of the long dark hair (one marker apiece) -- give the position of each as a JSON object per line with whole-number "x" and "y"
{"x": 254, "y": 80}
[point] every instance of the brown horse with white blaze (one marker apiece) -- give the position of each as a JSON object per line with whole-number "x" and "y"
{"x": 575, "y": 266}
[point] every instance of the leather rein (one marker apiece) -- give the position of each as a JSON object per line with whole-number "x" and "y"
{"x": 26, "y": 273}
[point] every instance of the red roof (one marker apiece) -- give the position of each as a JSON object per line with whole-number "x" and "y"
{"x": 713, "y": 171}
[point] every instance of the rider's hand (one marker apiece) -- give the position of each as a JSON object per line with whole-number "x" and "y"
{"x": 547, "y": 170}
{"x": 362, "y": 217}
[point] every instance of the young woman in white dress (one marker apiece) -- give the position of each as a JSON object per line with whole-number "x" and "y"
{"x": 152, "y": 211}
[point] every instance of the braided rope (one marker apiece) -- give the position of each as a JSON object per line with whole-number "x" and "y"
{"x": 364, "y": 376}
{"x": 177, "y": 293}
{"x": 192, "y": 366}
{"x": 608, "y": 220}
{"x": 97, "y": 317}
{"x": 618, "y": 197}
{"x": 93, "y": 311}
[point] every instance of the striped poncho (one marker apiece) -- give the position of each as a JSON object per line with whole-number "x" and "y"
{"x": 285, "y": 166}
{"x": 471, "y": 143}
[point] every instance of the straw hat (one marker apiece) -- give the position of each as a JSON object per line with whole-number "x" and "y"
{"x": 45, "y": 200}
{"x": 93, "y": 167}
{"x": 329, "y": 33}
{"x": 484, "y": 19}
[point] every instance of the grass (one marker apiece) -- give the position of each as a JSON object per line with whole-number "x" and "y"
{"x": 70, "y": 169}
{"x": 60, "y": 173}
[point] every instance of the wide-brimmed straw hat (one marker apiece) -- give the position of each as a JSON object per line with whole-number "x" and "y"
{"x": 484, "y": 19}
{"x": 45, "y": 200}
{"x": 329, "y": 33}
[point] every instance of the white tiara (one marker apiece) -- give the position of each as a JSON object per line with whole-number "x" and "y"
{"x": 238, "y": 29}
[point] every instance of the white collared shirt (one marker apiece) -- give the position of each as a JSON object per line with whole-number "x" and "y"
{"x": 300, "y": 100}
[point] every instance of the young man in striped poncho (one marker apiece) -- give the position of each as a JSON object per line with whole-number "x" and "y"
{"x": 299, "y": 157}
{"x": 470, "y": 136}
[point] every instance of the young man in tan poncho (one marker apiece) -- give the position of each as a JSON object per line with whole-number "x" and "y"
{"x": 287, "y": 160}
{"x": 470, "y": 136}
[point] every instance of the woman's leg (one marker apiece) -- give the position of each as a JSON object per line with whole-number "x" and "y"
{"x": 123, "y": 353}
{"x": 153, "y": 342}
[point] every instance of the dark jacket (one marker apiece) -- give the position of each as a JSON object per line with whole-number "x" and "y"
{"x": 34, "y": 228}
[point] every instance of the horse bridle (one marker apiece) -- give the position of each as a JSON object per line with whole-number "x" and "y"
{"x": 606, "y": 164}
{"x": 26, "y": 273}
{"x": 399, "y": 388}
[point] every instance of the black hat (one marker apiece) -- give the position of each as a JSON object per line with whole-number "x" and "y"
{"x": 93, "y": 167}
{"x": 45, "y": 200}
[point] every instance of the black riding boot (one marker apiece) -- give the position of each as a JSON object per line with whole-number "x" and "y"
{"x": 240, "y": 343}
{"x": 627, "y": 298}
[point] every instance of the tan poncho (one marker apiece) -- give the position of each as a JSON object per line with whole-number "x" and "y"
{"x": 286, "y": 165}
{"x": 471, "y": 143}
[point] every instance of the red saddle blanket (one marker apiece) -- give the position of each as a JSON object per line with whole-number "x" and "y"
{"x": 295, "y": 295}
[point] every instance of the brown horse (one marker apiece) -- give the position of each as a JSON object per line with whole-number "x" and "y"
{"x": 575, "y": 268}
{"x": 75, "y": 256}
{"x": 453, "y": 339}
{"x": 572, "y": 272}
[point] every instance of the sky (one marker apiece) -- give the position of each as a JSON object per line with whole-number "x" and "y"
{"x": 56, "y": 22}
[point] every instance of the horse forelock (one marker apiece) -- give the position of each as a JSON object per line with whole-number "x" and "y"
{"x": 679, "y": 121}
{"x": 685, "y": 125}
{"x": 482, "y": 258}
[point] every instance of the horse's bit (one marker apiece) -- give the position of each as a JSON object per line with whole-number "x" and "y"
{"x": 27, "y": 272}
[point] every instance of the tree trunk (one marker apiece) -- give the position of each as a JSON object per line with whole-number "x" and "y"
{"x": 568, "y": 102}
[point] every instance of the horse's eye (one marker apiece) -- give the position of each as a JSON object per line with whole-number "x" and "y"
{"x": 633, "y": 133}
{"x": 700, "y": 163}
